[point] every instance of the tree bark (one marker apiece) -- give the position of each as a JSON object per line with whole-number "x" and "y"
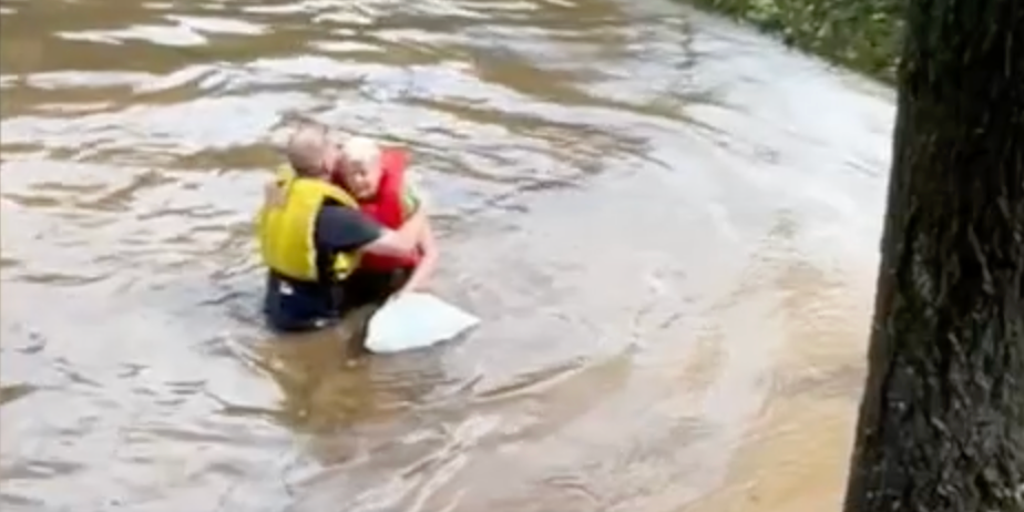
{"x": 941, "y": 426}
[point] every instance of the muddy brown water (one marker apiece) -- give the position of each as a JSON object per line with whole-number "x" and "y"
{"x": 669, "y": 225}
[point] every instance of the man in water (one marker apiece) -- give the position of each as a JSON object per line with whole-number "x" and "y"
{"x": 312, "y": 236}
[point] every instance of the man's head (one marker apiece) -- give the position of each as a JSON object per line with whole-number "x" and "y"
{"x": 311, "y": 150}
{"x": 362, "y": 170}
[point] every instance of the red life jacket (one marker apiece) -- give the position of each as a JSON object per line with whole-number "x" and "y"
{"x": 386, "y": 208}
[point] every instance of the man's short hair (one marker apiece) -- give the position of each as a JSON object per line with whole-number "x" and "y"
{"x": 306, "y": 147}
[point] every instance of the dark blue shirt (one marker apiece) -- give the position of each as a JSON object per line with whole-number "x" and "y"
{"x": 293, "y": 305}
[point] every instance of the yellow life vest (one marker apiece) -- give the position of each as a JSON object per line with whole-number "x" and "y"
{"x": 286, "y": 232}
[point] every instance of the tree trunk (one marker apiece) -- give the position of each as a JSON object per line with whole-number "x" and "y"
{"x": 941, "y": 425}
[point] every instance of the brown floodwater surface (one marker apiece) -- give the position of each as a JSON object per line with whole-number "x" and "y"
{"x": 668, "y": 224}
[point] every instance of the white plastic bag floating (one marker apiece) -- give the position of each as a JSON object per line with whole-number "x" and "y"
{"x": 415, "y": 320}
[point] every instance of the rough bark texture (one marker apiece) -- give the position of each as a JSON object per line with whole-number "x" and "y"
{"x": 941, "y": 425}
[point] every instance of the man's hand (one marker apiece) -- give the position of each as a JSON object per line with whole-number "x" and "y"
{"x": 415, "y": 224}
{"x": 273, "y": 195}
{"x": 402, "y": 241}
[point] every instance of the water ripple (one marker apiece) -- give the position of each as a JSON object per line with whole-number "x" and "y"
{"x": 644, "y": 204}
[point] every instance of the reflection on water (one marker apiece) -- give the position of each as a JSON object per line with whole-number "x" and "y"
{"x": 667, "y": 224}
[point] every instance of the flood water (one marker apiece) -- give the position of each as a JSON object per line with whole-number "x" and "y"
{"x": 668, "y": 224}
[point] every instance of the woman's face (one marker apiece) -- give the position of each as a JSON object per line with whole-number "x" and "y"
{"x": 361, "y": 180}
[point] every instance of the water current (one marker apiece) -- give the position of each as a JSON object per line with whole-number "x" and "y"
{"x": 668, "y": 224}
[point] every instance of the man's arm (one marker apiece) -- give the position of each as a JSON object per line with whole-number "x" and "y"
{"x": 348, "y": 229}
{"x": 400, "y": 242}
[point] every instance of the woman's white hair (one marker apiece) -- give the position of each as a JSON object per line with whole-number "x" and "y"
{"x": 362, "y": 151}
{"x": 366, "y": 153}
